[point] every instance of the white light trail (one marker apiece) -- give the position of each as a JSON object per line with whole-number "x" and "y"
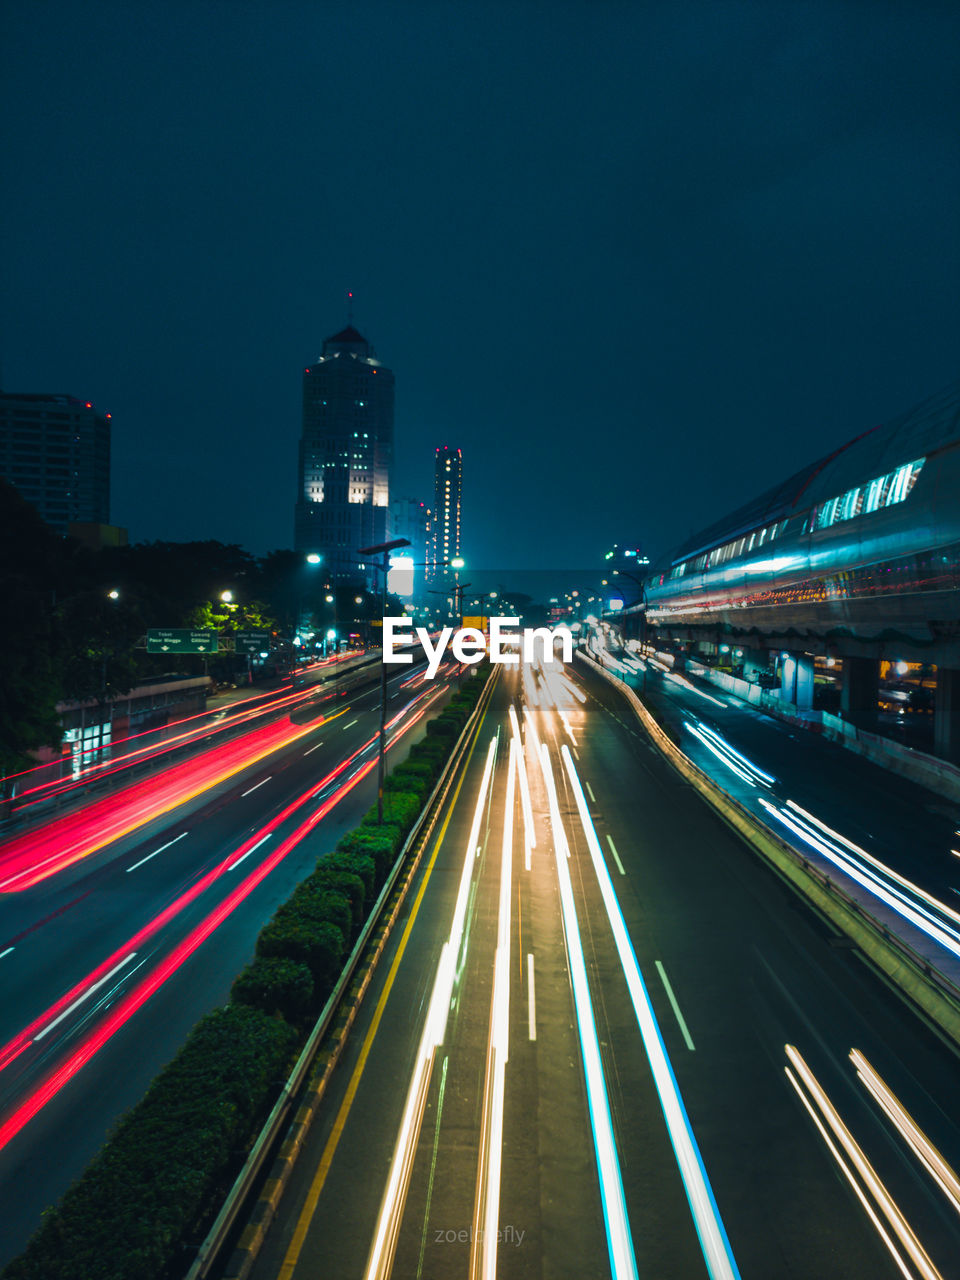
{"x": 724, "y": 745}
{"x": 619, "y": 1240}
{"x": 939, "y": 932}
{"x": 721, "y": 756}
{"x": 86, "y": 995}
{"x": 717, "y": 1253}
{"x": 487, "y": 1213}
{"x": 910, "y": 1131}
{"x": 384, "y": 1243}
{"x": 884, "y": 1201}
{"x": 880, "y": 866}
{"x": 850, "y": 1177}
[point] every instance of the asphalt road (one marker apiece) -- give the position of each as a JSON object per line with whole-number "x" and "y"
{"x": 73, "y": 947}
{"x": 554, "y": 1109}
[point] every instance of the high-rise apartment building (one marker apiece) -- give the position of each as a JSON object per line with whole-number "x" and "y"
{"x": 346, "y": 450}
{"x": 447, "y": 490}
{"x": 55, "y": 450}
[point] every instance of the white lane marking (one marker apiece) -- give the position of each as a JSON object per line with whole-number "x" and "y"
{"x": 351, "y": 724}
{"x": 593, "y": 798}
{"x": 531, "y": 1003}
{"x": 249, "y": 851}
{"x": 80, "y": 999}
{"x": 673, "y": 1003}
{"x": 616, "y": 856}
{"x": 312, "y": 749}
{"x": 5, "y": 953}
{"x": 156, "y": 851}
{"x": 252, "y": 789}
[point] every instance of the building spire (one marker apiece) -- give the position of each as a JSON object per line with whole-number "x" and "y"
{"x": 349, "y": 307}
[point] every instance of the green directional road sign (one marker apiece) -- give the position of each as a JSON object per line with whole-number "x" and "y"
{"x": 181, "y": 640}
{"x": 252, "y": 641}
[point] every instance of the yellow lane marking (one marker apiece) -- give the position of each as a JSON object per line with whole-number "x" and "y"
{"x": 323, "y": 1168}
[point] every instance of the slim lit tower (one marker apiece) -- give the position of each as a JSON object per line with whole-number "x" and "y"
{"x": 346, "y": 449}
{"x": 447, "y": 488}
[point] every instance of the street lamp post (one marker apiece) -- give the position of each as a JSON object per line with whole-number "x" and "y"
{"x": 383, "y": 548}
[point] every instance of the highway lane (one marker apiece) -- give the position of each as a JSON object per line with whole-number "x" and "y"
{"x": 734, "y": 972}
{"x": 67, "y": 926}
{"x": 909, "y": 830}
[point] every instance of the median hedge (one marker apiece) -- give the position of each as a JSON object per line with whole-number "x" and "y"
{"x": 163, "y": 1166}
{"x": 170, "y": 1159}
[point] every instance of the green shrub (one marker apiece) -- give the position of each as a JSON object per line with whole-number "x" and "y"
{"x": 316, "y": 943}
{"x": 321, "y": 904}
{"x": 381, "y": 843}
{"x": 357, "y": 864}
{"x": 400, "y": 809}
{"x": 140, "y": 1200}
{"x": 275, "y": 985}
{"x": 348, "y": 885}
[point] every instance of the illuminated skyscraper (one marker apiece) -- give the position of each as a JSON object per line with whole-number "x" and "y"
{"x": 346, "y": 450}
{"x": 447, "y": 488}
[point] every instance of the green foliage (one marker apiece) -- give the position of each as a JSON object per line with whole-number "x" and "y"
{"x": 128, "y": 1215}
{"x": 347, "y": 885}
{"x": 381, "y": 843}
{"x": 275, "y": 985}
{"x": 354, "y": 864}
{"x": 316, "y": 943}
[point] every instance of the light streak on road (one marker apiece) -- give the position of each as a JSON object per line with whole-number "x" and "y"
{"x": 483, "y": 1248}
{"x": 880, "y": 866}
{"x": 721, "y": 756}
{"x": 529, "y": 831}
{"x": 30, "y": 858}
{"x": 623, "y": 1262}
{"x": 909, "y": 1130}
{"x": 714, "y": 1243}
{"x": 913, "y": 912}
{"x": 86, "y": 995}
{"x": 730, "y": 755}
{"x": 129, "y": 1004}
{"x": 384, "y": 1242}
{"x": 881, "y": 1196}
{"x": 692, "y": 688}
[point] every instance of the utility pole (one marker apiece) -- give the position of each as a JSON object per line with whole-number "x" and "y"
{"x": 383, "y": 548}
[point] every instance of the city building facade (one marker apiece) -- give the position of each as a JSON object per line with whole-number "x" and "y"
{"x": 346, "y": 452}
{"x": 55, "y": 450}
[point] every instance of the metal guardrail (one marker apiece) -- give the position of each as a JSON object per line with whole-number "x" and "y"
{"x": 908, "y": 970}
{"x": 279, "y": 1116}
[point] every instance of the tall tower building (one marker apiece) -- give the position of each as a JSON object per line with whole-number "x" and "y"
{"x": 55, "y": 449}
{"x": 346, "y": 449}
{"x": 447, "y": 489}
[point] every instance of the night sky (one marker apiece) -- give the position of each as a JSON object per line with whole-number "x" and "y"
{"x": 638, "y": 260}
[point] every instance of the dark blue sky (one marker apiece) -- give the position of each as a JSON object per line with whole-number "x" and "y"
{"x": 638, "y": 260}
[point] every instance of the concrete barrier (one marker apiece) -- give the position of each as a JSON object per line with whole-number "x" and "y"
{"x": 927, "y": 990}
